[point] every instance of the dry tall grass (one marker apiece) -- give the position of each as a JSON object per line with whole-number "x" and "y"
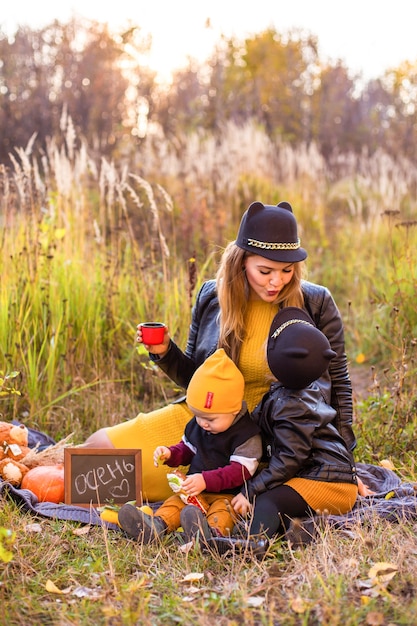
{"x": 89, "y": 249}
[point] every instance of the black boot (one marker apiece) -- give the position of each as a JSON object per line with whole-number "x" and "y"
{"x": 194, "y": 524}
{"x": 143, "y": 527}
{"x": 301, "y": 532}
{"x": 249, "y": 547}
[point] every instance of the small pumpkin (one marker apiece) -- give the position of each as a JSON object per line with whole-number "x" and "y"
{"x": 46, "y": 482}
{"x": 12, "y": 471}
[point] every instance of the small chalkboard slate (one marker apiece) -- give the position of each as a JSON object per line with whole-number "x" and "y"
{"x": 95, "y": 477}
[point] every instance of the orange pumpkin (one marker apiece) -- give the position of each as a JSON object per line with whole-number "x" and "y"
{"x": 46, "y": 482}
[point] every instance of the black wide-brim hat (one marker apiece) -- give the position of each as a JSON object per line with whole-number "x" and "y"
{"x": 271, "y": 232}
{"x": 298, "y": 352}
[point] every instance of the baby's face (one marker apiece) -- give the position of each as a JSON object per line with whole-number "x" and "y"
{"x": 214, "y": 422}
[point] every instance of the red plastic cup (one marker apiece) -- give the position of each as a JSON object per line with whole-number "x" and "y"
{"x": 152, "y": 332}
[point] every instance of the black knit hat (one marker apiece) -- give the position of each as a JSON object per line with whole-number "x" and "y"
{"x": 271, "y": 232}
{"x": 298, "y": 352}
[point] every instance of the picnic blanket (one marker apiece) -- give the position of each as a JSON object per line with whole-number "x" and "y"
{"x": 394, "y": 499}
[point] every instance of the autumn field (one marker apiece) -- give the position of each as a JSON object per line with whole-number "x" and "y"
{"x": 90, "y": 248}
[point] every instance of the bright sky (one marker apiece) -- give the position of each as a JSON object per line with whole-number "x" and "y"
{"x": 368, "y": 35}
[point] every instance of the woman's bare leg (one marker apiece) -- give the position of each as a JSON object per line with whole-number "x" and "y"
{"x": 99, "y": 439}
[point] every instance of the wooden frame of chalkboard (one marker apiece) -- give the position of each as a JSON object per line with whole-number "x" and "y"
{"x": 95, "y": 476}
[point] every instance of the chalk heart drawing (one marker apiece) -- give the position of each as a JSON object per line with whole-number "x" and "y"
{"x": 120, "y": 491}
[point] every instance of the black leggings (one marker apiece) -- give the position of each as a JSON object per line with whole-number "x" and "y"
{"x": 275, "y": 508}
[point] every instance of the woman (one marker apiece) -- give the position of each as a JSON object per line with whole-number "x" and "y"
{"x": 259, "y": 273}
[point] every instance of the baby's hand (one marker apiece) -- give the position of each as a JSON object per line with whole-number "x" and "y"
{"x": 160, "y": 455}
{"x": 194, "y": 484}
{"x": 241, "y": 505}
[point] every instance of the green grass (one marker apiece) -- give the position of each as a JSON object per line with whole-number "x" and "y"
{"x": 105, "y": 578}
{"x": 99, "y": 250}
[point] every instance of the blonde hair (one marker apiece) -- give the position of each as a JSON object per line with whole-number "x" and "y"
{"x": 233, "y": 294}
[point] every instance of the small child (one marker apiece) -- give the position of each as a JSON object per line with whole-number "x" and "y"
{"x": 222, "y": 445}
{"x": 309, "y": 466}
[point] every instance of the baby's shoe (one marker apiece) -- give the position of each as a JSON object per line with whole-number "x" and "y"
{"x": 194, "y": 524}
{"x": 249, "y": 548}
{"x": 143, "y": 527}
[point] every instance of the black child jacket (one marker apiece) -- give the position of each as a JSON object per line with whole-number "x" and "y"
{"x": 299, "y": 439}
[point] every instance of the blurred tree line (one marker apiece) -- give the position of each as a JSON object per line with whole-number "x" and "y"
{"x": 100, "y": 79}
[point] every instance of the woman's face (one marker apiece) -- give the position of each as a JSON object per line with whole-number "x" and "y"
{"x": 267, "y": 278}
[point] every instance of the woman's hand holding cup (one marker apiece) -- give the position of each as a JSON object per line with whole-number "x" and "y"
{"x": 154, "y": 336}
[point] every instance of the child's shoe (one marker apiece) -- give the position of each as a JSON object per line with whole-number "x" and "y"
{"x": 301, "y": 532}
{"x": 139, "y": 525}
{"x": 234, "y": 545}
{"x": 194, "y": 524}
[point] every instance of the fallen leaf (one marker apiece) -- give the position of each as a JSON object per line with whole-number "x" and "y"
{"x": 255, "y": 601}
{"x": 52, "y": 588}
{"x": 373, "y": 592}
{"x": 192, "y": 589}
{"x": 84, "y": 530}
{"x": 186, "y": 547}
{"x": 365, "y": 584}
{"x": 33, "y": 528}
{"x": 299, "y": 605}
{"x": 383, "y": 572}
{"x": 87, "y": 592}
{"x": 192, "y": 577}
{"x": 387, "y": 464}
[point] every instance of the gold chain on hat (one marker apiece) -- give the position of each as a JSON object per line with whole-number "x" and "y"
{"x": 286, "y": 324}
{"x": 274, "y": 246}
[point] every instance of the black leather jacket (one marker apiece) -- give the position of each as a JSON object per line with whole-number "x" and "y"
{"x": 204, "y": 334}
{"x": 299, "y": 439}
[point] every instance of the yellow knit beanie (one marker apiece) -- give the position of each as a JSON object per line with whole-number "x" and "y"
{"x": 217, "y": 386}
